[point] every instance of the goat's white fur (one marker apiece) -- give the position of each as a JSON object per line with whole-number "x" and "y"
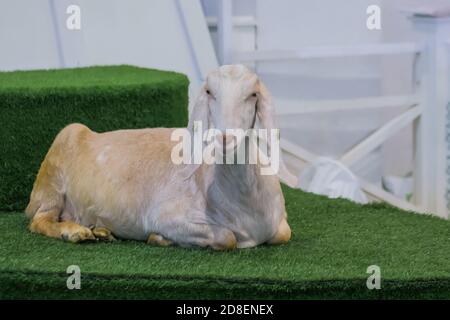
{"x": 125, "y": 181}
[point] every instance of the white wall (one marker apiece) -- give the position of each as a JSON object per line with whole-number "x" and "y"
{"x": 138, "y": 32}
{"x": 293, "y": 24}
{"x": 150, "y": 34}
{"x": 27, "y": 39}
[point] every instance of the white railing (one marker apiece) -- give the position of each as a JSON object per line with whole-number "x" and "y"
{"x": 363, "y": 148}
{"x": 426, "y": 112}
{"x": 329, "y": 52}
{"x": 287, "y": 107}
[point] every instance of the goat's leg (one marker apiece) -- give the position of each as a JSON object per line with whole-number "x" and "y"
{"x": 103, "y": 234}
{"x": 158, "y": 240}
{"x": 188, "y": 234}
{"x": 47, "y": 223}
{"x": 283, "y": 234}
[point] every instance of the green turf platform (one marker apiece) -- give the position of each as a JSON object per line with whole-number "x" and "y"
{"x": 36, "y": 105}
{"x": 334, "y": 241}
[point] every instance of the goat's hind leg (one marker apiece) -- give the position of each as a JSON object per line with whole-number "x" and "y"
{"x": 158, "y": 240}
{"x": 103, "y": 234}
{"x": 47, "y": 223}
{"x": 188, "y": 234}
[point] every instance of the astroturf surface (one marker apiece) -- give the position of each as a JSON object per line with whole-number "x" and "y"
{"x": 333, "y": 244}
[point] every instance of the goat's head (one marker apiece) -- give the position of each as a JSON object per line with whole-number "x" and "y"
{"x": 233, "y": 97}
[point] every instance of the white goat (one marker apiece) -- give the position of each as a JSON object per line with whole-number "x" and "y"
{"x": 124, "y": 182}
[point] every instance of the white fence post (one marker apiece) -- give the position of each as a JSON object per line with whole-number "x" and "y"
{"x": 430, "y": 129}
{"x": 225, "y": 31}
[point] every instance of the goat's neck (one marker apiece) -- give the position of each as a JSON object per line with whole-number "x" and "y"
{"x": 242, "y": 178}
{"x": 239, "y": 190}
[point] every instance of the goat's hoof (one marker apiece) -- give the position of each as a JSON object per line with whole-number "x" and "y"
{"x": 103, "y": 234}
{"x": 80, "y": 234}
{"x": 156, "y": 239}
{"x": 283, "y": 234}
{"x": 226, "y": 240}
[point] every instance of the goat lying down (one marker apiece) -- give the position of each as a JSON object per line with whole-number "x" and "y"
{"x": 123, "y": 183}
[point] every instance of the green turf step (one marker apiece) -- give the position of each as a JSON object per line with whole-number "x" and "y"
{"x": 333, "y": 243}
{"x": 36, "y": 105}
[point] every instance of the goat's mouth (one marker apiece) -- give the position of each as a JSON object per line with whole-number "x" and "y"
{"x": 227, "y": 144}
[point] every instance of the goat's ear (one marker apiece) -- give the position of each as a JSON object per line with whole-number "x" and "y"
{"x": 265, "y": 109}
{"x": 266, "y": 116}
{"x": 199, "y": 114}
{"x": 200, "y": 111}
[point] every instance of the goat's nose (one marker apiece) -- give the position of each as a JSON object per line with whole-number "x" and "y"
{"x": 225, "y": 138}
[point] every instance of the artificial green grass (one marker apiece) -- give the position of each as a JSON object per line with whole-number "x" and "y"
{"x": 36, "y": 105}
{"x": 333, "y": 243}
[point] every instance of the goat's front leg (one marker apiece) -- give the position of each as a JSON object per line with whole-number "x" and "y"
{"x": 158, "y": 240}
{"x": 283, "y": 234}
{"x": 47, "y": 223}
{"x": 102, "y": 234}
{"x": 187, "y": 234}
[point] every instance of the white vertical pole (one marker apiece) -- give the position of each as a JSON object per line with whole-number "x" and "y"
{"x": 425, "y": 133}
{"x": 69, "y": 43}
{"x": 57, "y": 33}
{"x": 225, "y": 31}
{"x": 431, "y": 152}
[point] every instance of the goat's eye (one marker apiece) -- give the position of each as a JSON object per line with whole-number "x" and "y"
{"x": 208, "y": 92}
{"x": 254, "y": 95}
